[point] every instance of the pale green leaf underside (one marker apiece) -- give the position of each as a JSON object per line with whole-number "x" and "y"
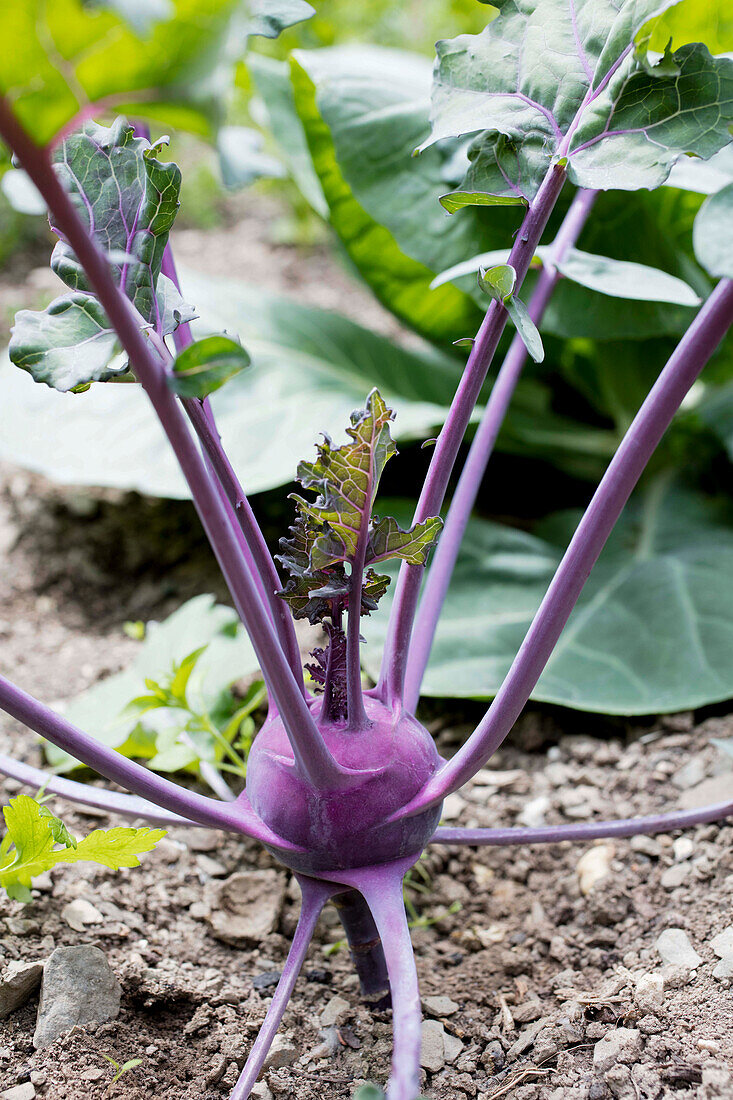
{"x": 713, "y": 233}
{"x": 560, "y": 79}
{"x": 652, "y": 632}
{"x": 615, "y": 278}
{"x": 66, "y": 345}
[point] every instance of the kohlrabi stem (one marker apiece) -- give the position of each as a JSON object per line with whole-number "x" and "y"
{"x": 446, "y": 553}
{"x": 356, "y": 714}
{"x": 309, "y": 748}
{"x": 315, "y": 896}
{"x": 624, "y": 470}
{"x": 204, "y": 424}
{"x": 365, "y": 945}
{"x": 127, "y": 805}
{"x": 592, "y": 830}
{"x": 237, "y": 817}
{"x": 391, "y": 682}
{"x": 238, "y": 508}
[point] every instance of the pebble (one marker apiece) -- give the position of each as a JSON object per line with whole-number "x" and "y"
{"x": 722, "y": 944}
{"x": 594, "y": 865}
{"x": 649, "y": 994}
{"x": 79, "y": 987}
{"x": 683, "y": 848}
{"x": 647, "y": 845}
{"x": 432, "y": 1051}
{"x": 246, "y": 907}
{"x": 282, "y": 1053}
{"x": 20, "y": 982}
{"x": 440, "y": 1006}
{"x": 708, "y": 792}
{"x": 25, "y": 1091}
{"x": 212, "y": 868}
{"x": 334, "y": 1012}
{"x": 453, "y": 807}
{"x": 674, "y": 948}
{"x": 622, "y": 1045}
{"x": 675, "y": 875}
{"x": 261, "y": 1091}
{"x": 533, "y": 814}
{"x": 690, "y": 774}
{"x": 79, "y": 913}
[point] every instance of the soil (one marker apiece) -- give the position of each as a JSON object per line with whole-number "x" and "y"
{"x": 539, "y": 970}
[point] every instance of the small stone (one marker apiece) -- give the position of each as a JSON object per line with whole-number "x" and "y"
{"x": 533, "y": 814}
{"x": 39, "y": 1077}
{"x": 199, "y": 840}
{"x": 267, "y": 980}
{"x": 79, "y": 913}
{"x": 453, "y": 806}
{"x": 440, "y": 1006}
{"x": 334, "y": 1012}
{"x": 708, "y": 792}
{"x": 674, "y": 948}
{"x": 452, "y": 1048}
{"x": 79, "y": 987}
{"x": 724, "y": 969}
{"x": 675, "y": 875}
{"x": 261, "y": 1090}
{"x": 647, "y": 845}
{"x": 622, "y": 1045}
{"x": 722, "y": 944}
{"x": 25, "y": 1091}
{"x": 649, "y": 993}
{"x": 282, "y": 1053}
{"x": 246, "y": 907}
{"x": 20, "y": 982}
{"x": 594, "y": 865}
{"x": 526, "y": 1012}
{"x": 710, "y": 1046}
{"x": 683, "y": 848}
{"x": 432, "y": 1051}
{"x": 676, "y": 976}
{"x": 690, "y": 774}
{"x": 212, "y": 868}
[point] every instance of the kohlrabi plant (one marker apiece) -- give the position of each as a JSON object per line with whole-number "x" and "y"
{"x": 344, "y": 785}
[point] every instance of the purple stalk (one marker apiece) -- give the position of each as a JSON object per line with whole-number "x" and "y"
{"x": 365, "y": 945}
{"x": 237, "y": 817}
{"x": 315, "y": 896}
{"x": 624, "y": 470}
{"x": 594, "y": 830}
{"x": 382, "y": 890}
{"x": 464, "y": 498}
{"x": 391, "y": 682}
{"x": 311, "y": 753}
{"x": 127, "y": 805}
{"x": 237, "y": 506}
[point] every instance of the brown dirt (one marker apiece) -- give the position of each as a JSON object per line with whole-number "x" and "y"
{"x": 540, "y": 970}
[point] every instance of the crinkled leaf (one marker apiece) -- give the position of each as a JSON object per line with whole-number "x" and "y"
{"x": 551, "y": 80}
{"x": 172, "y": 309}
{"x": 32, "y": 833}
{"x": 128, "y": 199}
{"x": 308, "y": 590}
{"x": 207, "y": 364}
{"x": 713, "y": 233}
{"x": 347, "y": 479}
{"x": 242, "y": 157}
{"x": 388, "y": 540}
{"x": 67, "y": 345}
{"x": 526, "y": 327}
{"x": 652, "y": 631}
{"x": 67, "y": 55}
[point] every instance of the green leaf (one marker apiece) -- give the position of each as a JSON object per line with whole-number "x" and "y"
{"x": 128, "y": 199}
{"x": 172, "y": 61}
{"x": 620, "y": 279}
{"x": 301, "y": 357}
{"x": 104, "y": 709}
{"x": 206, "y": 365}
{"x": 708, "y": 21}
{"x": 33, "y": 831}
{"x": 498, "y": 282}
{"x": 526, "y": 327}
{"x": 363, "y": 110}
{"x": 713, "y": 233}
{"x": 68, "y": 55}
{"x": 597, "y": 105}
{"x": 389, "y": 540}
{"x": 242, "y": 158}
{"x": 67, "y": 345}
{"x": 652, "y": 631}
